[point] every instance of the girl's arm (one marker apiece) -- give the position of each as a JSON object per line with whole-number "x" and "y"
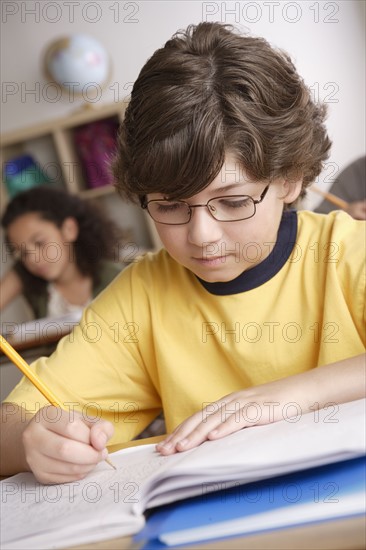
{"x": 357, "y": 210}
{"x": 10, "y": 287}
{"x": 301, "y": 393}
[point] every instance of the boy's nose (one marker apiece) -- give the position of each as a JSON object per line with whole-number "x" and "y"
{"x": 203, "y": 228}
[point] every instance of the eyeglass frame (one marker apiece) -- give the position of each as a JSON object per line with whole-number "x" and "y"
{"x": 145, "y": 203}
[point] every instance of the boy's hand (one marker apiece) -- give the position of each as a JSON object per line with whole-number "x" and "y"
{"x": 62, "y": 446}
{"x": 254, "y": 406}
{"x": 251, "y": 407}
{"x": 279, "y": 400}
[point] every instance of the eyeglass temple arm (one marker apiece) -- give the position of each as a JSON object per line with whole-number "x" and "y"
{"x": 143, "y": 201}
{"x": 262, "y": 195}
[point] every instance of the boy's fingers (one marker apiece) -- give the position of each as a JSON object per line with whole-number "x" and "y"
{"x": 228, "y": 427}
{"x": 100, "y": 433}
{"x": 57, "y": 456}
{"x": 216, "y": 420}
{"x": 199, "y": 434}
{"x": 65, "y": 423}
{"x": 49, "y": 470}
{"x": 65, "y": 450}
{"x": 167, "y": 446}
{"x": 189, "y": 434}
{"x": 55, "y": 467}
{"x": 75, "y": 426}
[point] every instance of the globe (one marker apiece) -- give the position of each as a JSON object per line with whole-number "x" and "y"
{"x": 76, "y": 61}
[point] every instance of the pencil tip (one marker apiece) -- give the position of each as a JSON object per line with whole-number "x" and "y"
{"x": 110, "y": 463}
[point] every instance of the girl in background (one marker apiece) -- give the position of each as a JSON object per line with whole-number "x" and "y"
{"x": 63, "y": 248}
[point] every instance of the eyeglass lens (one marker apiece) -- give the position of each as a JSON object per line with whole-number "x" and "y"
{"x": 227, "y": 208}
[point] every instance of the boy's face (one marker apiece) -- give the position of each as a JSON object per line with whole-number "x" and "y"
{"x": 220, "y": 251}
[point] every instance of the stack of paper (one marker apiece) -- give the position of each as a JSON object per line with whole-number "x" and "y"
{"x": 318, "y": 494}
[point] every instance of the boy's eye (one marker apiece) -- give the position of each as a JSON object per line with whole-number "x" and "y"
{"x": 237, "y": 202}
{"x": 169, "y": 206}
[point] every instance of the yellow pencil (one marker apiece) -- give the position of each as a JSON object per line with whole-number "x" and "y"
{"x": 330, "y": 197}
{"x": 26, "y": 370}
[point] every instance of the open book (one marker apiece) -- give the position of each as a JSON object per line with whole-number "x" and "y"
{"x": 109, "y": 504}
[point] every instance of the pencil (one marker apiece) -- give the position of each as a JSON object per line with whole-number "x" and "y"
{"x": 27, "y": 371}
{"x": 337, "y": 201}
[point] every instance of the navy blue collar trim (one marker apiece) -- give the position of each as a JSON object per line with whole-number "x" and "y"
{"x": 263, "y": 272}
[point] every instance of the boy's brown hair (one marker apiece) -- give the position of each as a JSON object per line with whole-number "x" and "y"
{"x": 210, "y": 91}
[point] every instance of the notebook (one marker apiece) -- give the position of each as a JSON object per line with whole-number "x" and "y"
{"x": 327, "y": 492}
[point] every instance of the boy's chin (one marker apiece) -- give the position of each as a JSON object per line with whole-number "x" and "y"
{"x": 219, "y": 277}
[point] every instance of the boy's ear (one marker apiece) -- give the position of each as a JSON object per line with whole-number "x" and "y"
{"x": 291, "y": 190}
{"x": 70, "y": 229}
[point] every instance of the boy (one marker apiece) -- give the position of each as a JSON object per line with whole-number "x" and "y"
{"x": 220, "y": 138}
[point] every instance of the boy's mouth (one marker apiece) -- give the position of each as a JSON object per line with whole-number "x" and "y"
{"x": 211, "y": 260}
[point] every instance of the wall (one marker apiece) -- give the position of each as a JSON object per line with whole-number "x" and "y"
{"x": 325, "y": 39}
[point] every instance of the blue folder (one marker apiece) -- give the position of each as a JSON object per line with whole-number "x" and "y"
{"x": 331, "y": 485}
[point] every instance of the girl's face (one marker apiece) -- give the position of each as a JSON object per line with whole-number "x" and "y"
{"x": 220, "y": 251}
{"x": 45, "y": 249}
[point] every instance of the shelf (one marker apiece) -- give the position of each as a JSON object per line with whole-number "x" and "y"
{"x": 52, "y": 145}
{"x": 79, "y": 117}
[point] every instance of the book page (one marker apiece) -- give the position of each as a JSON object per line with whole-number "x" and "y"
{"x": 96, "y": 508}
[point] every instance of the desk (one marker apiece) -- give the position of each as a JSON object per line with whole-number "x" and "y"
{"x": 10, "y": 375}
{"x": 31, "y": 342}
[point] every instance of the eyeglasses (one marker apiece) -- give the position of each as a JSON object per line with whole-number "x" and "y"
{"x": 231, "y": 208}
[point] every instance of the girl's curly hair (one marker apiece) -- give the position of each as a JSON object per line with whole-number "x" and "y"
{"x": 97, "y": 238}
{"x": 210, "y": 91}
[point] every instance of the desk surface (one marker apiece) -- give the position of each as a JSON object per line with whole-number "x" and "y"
{"x": 10, "y": 375}
{"x": 34, "y": 345}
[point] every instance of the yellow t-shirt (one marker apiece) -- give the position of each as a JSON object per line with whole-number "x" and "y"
{"x": 159, "y": 338}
